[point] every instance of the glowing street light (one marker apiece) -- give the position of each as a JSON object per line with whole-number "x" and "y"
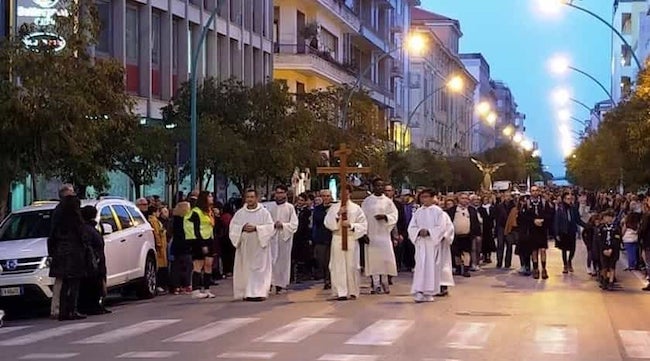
{"x": 560, "y": 64}
{"x": 561, "y": 96}
{"x": 564, "y": 115}
{"x": 508, "y": 131}
{"x": 527, "y": 145}
{"x": 483, "y": 108}
{"x": 536, "y": 153}
{"x": 456, "y": 84}
{"x": 491, "y": 118}
{"x": 518, "y": 138}
{"x": 550, "y": 6}
{"x": 416, "y": 43}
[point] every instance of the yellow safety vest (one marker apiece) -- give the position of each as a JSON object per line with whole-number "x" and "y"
{"x": 205, "y": 228}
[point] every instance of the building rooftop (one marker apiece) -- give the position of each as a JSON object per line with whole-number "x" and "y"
{"x": 419, "y": 14}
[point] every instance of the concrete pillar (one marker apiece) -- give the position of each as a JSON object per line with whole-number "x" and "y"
{"x": 166, "y": 52}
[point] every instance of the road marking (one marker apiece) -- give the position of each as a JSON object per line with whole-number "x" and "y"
{"x": 296, "y": 331}
{"x": 636, "y": 343}
{"x": 148, "y": 354}
{"x": 126, "y": 332}
{"x": 347, "y": 357}
{"x": 211, "y": 330}
{"x": 381, "y": 333}
{"x": 248, "y": 355}
{"x": 12, "y": 329}
{"x": 557, "y": 340}
{"x": 50, "y": 333}
{"x": 468, "y": 335}
{"x": 48, "y": 356}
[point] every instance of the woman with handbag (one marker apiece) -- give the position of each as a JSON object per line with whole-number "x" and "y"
{"x": 93, "y": 287}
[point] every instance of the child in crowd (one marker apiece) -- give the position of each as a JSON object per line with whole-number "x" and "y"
{"x": 609, "y": 247}
{"x": 589, "y": 237}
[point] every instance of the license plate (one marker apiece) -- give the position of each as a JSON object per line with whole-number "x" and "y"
{"x": 11, "y": 291}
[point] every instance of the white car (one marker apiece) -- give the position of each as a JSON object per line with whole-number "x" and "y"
{"x": 130, "y": 249}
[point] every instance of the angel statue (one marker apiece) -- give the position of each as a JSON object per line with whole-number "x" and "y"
{"x": 307, "y": 179}
{"x": 487, "y": 169}
{"x": 295, "y": 181}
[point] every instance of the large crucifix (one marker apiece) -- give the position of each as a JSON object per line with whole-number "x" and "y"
{"x": 343, "y": 171}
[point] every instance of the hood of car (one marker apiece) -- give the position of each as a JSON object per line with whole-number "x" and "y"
{"x": 23, "y": 248}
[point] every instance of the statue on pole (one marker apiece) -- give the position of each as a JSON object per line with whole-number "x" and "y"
{"x": 487, "y": 169}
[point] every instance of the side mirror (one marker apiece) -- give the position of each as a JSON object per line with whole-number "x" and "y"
{"x": 107, "y": 228}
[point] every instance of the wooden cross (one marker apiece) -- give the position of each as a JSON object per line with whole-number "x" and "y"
{"x": 343, "y": 171}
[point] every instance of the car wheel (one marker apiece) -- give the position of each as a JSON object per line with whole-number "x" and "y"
{"x": 147, "y": 287}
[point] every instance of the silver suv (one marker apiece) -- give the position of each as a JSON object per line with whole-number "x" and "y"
{"x": 130, "y": 249}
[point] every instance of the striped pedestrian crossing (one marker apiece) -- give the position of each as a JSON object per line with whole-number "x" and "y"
{"x": 468, "y": 337}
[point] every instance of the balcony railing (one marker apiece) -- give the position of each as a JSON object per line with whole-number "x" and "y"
{"x": 345, "y": 13}
{"x": 329, "y": 56}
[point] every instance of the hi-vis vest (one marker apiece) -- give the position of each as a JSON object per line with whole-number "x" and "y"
{"x": 205, "y": 228}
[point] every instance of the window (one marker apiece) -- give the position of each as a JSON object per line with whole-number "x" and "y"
{"x": 626, "y": 55}
{"x": 123, "y": 216}
{"x": 415, "y": 81}
{"x": 626, "y": 86}
{"x": 155, "y": 38}
{"x": 106, "y": 217}
{"x": 137, "y": 217}
{"x": 132, "y": 41}
{"x": 329, "y": 42}
{"x": 626, "y": 23}
{"x": 176, "y": 27}
{"x": 105, "y": 31}
{"x": 300, "y": 88}
{"x": 276, "y": 24}
{"x": 26, "y": 225}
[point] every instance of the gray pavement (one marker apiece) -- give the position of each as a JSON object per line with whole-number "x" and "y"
{"x": 495, "y": 315}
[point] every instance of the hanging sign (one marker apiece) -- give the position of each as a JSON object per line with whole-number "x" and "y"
{"x": 41, "y": 13}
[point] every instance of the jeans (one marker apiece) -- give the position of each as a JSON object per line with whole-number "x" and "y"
{"x": 631, "y": 250}
{"x": 503, "y": 246}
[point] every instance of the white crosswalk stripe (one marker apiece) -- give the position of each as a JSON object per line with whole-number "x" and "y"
{"x": 127, "y": 332}
{"x": 557, "y": 340}
{"x": 381, "y": 333}
{"x": 49, "y": 333}
{"x": 297, "y": 331}
{"x": 248, "y": 355}
{"x": 212, "y": 330}
{"x": 468, "y": 335}
{"x": 348, "y": 357}
{"x": 6, "y": 330}
{"x": 148, "y": 354}
{"x": 636, "y": 343}
{"x": 49, "y": 356}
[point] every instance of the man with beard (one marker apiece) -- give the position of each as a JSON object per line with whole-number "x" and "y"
{"x": 286, "y": 224}
{"x": 537, "y": 216}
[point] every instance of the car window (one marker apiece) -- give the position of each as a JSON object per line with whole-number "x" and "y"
{"x": 27, "y": 225}
{"x": 106, "y": 217}
{"x": 137, "y": 217}
{"x": 123, "y": 216}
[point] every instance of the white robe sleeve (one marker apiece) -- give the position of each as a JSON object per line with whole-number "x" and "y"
{"x": 331, "y": 221}
{"x": 359, "y": 224}
{"x": 288, "y": 229}
{"x": 448, "y": 228}
{"x": 236, "y": 229}
{"x": 414, "y": 228}
{"x": 391, "y": 216}
{"x": 266, "y": 229}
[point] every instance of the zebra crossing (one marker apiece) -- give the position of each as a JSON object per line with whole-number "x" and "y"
{"x": 468, "y": 337}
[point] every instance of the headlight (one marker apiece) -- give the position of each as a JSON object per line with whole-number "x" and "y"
{"x": 45, "y": 263}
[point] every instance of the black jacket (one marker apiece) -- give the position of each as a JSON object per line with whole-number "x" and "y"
{"x": 402, "y": 227}
{"x": 180, "y": 246}
{"x": 609, "y": 237}
{"x": 502, "y": 211}
{"x": 95, "y": 240}
{"x": 67, "y": 248}
{"x": 489, "y": 219}
{"x": 320, "y": 233}
{"x": 527, "y": 218}
{"x": 474, "y": 224}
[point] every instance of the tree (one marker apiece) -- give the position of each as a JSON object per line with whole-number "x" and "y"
{"x": 60, "y": 105}
{"x": 419, "y": 167}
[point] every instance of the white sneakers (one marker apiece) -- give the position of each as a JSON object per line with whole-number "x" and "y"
{"x": 196, "y": 294}
{"x": 421, "y": 297}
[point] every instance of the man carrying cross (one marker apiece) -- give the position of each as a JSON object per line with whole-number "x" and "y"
{"x": 344, "y": 220}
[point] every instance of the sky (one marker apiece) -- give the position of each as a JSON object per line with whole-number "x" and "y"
{"x": 518, "y": 41}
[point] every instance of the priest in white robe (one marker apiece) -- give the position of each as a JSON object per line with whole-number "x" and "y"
{"x": 432, "y": 231}
{"x": 379, "y": 254}
{"x": 251, "y": 230}
{"x": 344, "y": 265}
{"x": 285, "y": 222}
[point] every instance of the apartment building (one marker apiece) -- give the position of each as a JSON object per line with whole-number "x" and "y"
{"x": 630, "y": 17}
{"x": 482, "y": 135}
{"x": 440, "y": 120}
{"x": 508, "y": 118}
{"x": 154, "y": 39}
{"x": 321, "y": 43}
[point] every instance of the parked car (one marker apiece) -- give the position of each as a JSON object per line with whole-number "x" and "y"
{"x": 130, "y": 249}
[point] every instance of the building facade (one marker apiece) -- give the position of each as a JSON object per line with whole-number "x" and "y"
{"x": 483, "y": 135}
{"x": 154, "y": 39}
{"x": 440, "y": 120}
{"x": 629, "y": 18}
{"x": 322, "y": 43}
{"x": 509, "y": 120}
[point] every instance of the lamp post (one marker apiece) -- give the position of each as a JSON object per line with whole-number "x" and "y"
{"x": 554, "y": 5}
{"x": 562, "y": 97}
{"x": 414, "y": 41}
{"x": 561, "y": 65}
{"x": 193, "y": 112}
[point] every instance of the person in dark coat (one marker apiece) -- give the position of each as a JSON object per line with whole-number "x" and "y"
{"x": 93, "y": 287}
{"x": 181, "y": 250}
{"x": 501, "y": 213}
{"x": 301, "y": 252}
{"x": 608, "y": 248}
{"x": 322, "y": 238}
{"x": 488, "y": 215}
{"x": 67, "y": 254}
{"x": 227, "y": 249}
{"x": 65, "y": 190}
{"x": 537, "y": 218}
{"x": 567, "y": 220}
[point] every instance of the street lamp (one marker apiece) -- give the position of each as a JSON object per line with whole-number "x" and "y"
{"x": 415, "y": 42}
{"x": 562, "y": 97}
{"x": 508, "y": 131}
{"x": 536, "y": 153}
{"x": 491, "y": 118}
{"x": 527, "y": 145}
{"x": 561, "y": 65}
{"x": 518, "y": 138}
{"x": 564, "y": 115}
{"x": 553, "y": 6}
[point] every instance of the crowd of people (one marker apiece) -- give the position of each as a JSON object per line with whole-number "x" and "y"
{"x": 267, "y": 247}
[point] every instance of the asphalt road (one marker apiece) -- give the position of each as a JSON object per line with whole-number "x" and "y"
{"x": 495, "y": 315}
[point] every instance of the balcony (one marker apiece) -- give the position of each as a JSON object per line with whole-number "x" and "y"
{"x": 376, "y": 37}
{"x": 311, "y": 62}
{"x": 342, "y": 12}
